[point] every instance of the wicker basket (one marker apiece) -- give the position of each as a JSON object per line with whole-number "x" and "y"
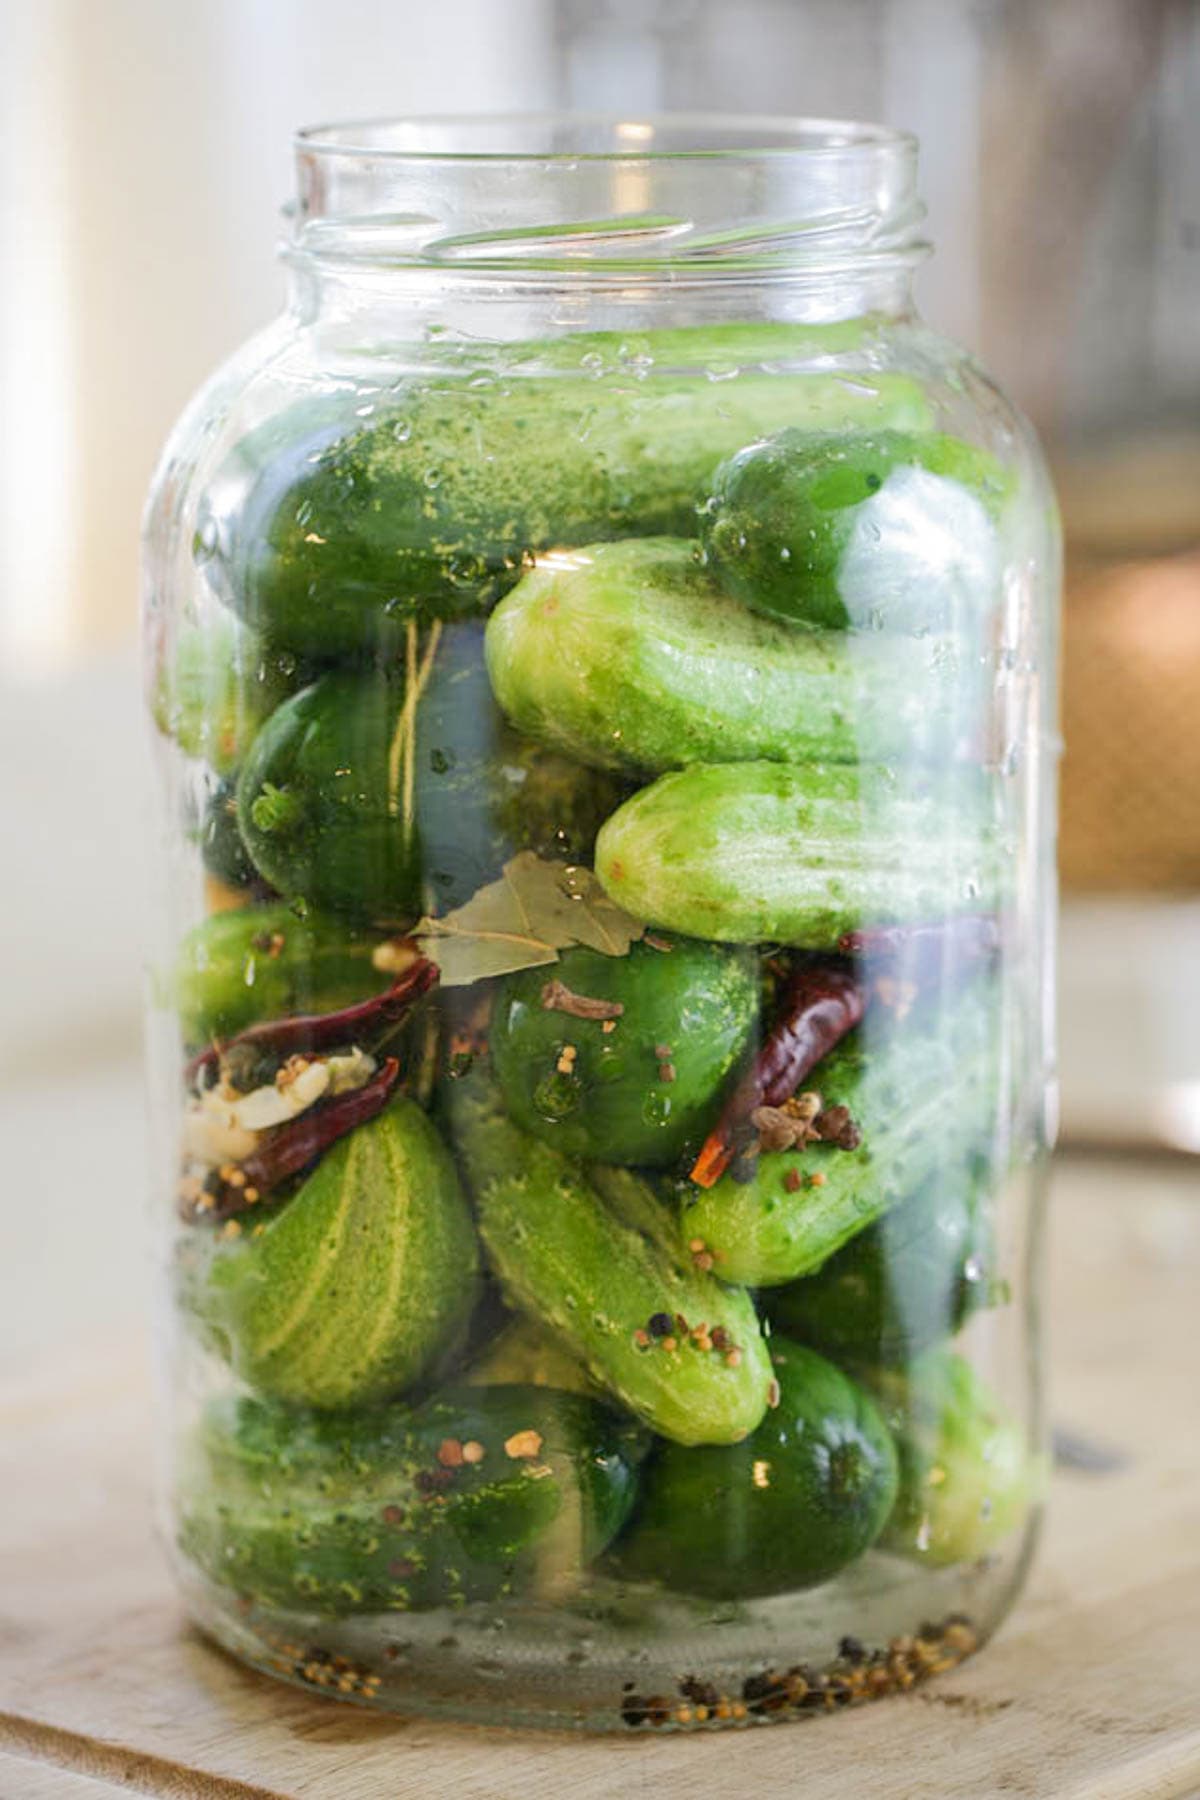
{"x": 1131, "y": 720}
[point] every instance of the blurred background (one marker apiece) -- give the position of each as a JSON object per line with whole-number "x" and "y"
{"x": 145, "y": 153}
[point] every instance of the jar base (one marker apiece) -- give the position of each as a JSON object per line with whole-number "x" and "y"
{"x": 589, "y": 1668}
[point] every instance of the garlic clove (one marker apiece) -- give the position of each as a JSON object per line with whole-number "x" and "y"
{"x": 275, "y": 1105}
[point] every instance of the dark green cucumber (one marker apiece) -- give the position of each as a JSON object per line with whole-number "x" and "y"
{"x": 969, "y": 1474}
{"x": 482, "y": 792}
{"x": 923, "y": 1096}
{"x": 567, "y": 1258}
{"x": 628, "y": 656}
{"x": 386, "y": 793}
{"x": 904, "y": 1283}
{"x": 641, "y": 1087}
{"x": 760, "y": 852}
{"x": 434, "y": 505}
{"x": 358, "y": 1285}
{"x": 380, "y": 1511}
{"x": 880, "y": 530}
{"x": 806, "y": 1493}
{"x": 264, "y": 962}
{"x": 325, "y": 798}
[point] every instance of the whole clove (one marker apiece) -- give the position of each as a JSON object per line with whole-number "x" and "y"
{"x": 821, "y": 1001}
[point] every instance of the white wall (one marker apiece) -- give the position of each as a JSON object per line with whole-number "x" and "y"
{"x": 144, "y": 151}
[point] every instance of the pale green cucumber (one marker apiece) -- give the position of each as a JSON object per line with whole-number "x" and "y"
{"x": 629, "y": 656}
{"x": 566, "y": 1257}
{"x": 361, "y": 1282}
{"x": 760, "y": 852}
{"x": 923, "y": 1096}
{"x": 969, "y": 1472}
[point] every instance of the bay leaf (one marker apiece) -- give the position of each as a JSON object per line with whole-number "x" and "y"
{"x": 523, "y": 919}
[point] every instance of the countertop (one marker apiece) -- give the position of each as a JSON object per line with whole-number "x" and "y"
{"x": 1091, "y": 1689}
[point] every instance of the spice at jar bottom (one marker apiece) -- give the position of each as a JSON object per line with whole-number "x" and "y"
{"x": 852, "y": 1676}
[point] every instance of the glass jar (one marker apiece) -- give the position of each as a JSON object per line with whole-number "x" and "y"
{"x": 602, "y": 650}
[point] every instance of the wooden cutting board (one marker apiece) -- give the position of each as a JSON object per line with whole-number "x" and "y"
{"x": 1091, "y": 1690}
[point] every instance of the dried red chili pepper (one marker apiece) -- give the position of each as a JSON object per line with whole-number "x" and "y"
{"x": 323, "y": 1031}
{"x": 821, "y": 1001}
{"x": 291, "y": 1147}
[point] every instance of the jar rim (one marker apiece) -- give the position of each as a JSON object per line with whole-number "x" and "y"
{"x": 598, "y": 197}
{"x": 649, "y": 137}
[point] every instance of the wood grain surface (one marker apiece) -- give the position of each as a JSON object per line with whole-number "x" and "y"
{"x": 1091, "y": 1690}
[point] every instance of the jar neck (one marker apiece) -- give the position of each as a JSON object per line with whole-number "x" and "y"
{"x": 611, "y": 222}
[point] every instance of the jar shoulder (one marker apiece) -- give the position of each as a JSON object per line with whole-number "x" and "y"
{"x": 210, "y": 418}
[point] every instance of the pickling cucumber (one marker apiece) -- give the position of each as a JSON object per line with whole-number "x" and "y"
{"x": 482, "y": 791}
{"x": 923, "y": 1097}
{"x": 904, "y": 1283}
{"x": 566, "y": 1257}
{"x": 629, "y": 656}
{"x": 968, "y": 1472}
{"x": 762, "y": 852}
{"x": 804, "y": 1495}
{"x": 360, "y": 1283}
{"x": 476, "y": 1495}
{"x": 383, "y": 793}
{"x": 264, "y": 962}
{"x": 640, "y": 1087}
{"x": 879, "y": 530}
{"x": 325, "y": 798}
{"x": 433, "y": 506}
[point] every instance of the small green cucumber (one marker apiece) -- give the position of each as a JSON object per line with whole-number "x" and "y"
{"x": 968, "y": 1472}
{"x": 640, "y": 1087}
{"x": 384, "y": 793}
{"x": 923, "y": 1097}
{"x": 565, "y": 1257}
{"x": 360, "y": 1283}
{"x": 264, "y": 962}
{"x": 760, "y": 852}
{"x": 804, "y": 1495}
{"x": 326, "y": 798}
{"x": 628, "y": 656}
{"x": 382, "y": 1511}
{"x": 881, "y": 530}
